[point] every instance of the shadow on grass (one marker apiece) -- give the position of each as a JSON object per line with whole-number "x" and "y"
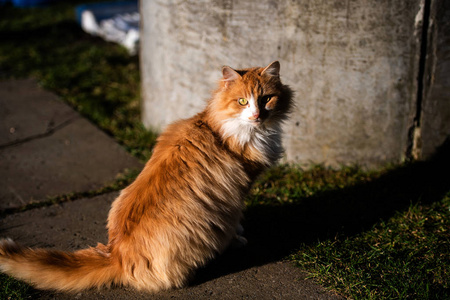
{"x": 274, "y": 232}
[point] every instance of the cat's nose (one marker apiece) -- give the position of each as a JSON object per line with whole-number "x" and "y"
{"x": 255, "y": 115}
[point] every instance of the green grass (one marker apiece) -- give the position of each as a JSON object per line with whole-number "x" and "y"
{"x": 375, "y": 235}
{"x": 287, "y": 184}
{"x": 406, "y": 257}
{"x": 11, "y": 289}
{"x": 382, "y": 234}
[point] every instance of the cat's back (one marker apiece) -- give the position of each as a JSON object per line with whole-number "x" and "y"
{"x": 192, "y": 137}
{"x": 191, "y": 162}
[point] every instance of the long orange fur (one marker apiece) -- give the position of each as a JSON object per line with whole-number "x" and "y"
{"x": 187, "y": 202}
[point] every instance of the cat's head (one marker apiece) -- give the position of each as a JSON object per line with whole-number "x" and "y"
{"x": 250, "y": 100}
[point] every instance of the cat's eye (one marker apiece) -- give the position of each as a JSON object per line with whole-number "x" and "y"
{"x": 242, "y": 101}
{"x": 268, "y": 98}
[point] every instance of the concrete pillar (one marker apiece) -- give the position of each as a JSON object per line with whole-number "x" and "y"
{"x": 434, "y": 123}
{"x": 352, "y": 64}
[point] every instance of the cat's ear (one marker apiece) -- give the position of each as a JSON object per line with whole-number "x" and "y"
{"x": 229, "y": 75}
{"x": 272, "y": 69}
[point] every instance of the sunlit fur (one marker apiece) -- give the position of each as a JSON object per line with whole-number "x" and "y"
{"x": 186, "y": 204}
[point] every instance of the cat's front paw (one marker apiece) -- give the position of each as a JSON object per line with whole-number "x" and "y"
{"x": 238, "y": 242}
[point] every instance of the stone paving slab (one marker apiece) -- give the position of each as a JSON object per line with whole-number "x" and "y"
{"x": 26, "y": 110}
{"x": 48, "y": 149}
{"x": 79, "y": 224}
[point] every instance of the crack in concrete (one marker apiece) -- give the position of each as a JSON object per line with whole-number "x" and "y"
{"x": 414, "y": 132}
{"x": 109, "y": 187}
{"x": 50, "y": 131}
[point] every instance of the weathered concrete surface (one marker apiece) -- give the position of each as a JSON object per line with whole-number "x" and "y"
{"x": 80, "y": 224}
{"x": 27, "y": 111}
{"x": 352, "y": 64}
{"x": 47, "y": 149}
{"x": 435, "y": 117}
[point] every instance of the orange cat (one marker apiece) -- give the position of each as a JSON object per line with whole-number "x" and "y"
{"x": 185, "y": 206}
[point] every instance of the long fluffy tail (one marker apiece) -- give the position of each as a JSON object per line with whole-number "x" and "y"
{"x": 58, "y": 270}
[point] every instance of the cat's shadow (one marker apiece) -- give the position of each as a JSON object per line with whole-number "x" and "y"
{"x": 275, "y": 232}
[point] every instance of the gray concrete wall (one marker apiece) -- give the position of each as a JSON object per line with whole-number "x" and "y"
{"x": 352, "y": 64}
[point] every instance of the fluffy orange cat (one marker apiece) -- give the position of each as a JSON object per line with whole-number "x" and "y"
{"x": 186, "y": 204}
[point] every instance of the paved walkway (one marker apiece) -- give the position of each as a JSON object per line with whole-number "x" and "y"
{"x": 48, "y": 149}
